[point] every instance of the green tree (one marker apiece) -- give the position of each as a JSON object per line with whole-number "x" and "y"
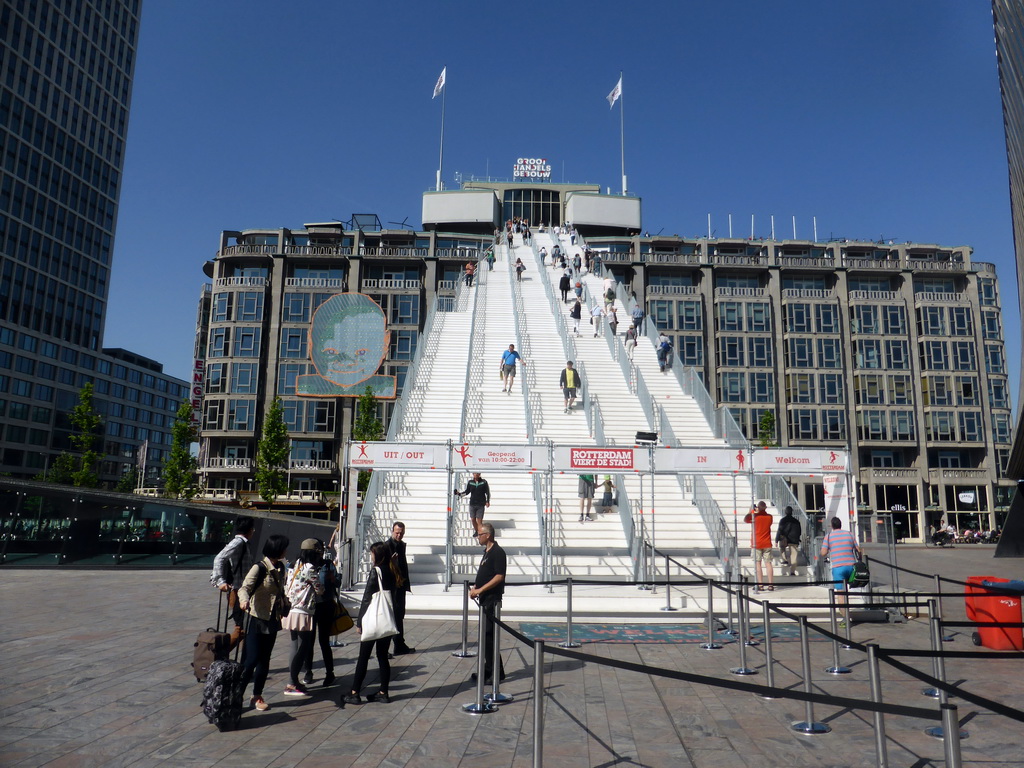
{"x": 129, "y": 481}
{"x": 179, "y": 473}
{"x": 86, "y": 424}
{"x": 272, "y": 455}
{"x": 766, "y": 430}
{"x": 366, "y": 427}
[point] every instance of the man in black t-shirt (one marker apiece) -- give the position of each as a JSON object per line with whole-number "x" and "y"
{"x": 488, "y": 589}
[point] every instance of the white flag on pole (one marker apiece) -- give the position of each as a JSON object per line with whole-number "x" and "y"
{"x": 440, "y": 83}
{"x": 612, "y": 97}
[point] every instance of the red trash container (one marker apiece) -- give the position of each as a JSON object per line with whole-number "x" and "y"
{"x": 983, "y": 605}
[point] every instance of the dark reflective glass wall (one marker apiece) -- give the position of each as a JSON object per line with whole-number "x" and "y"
{"x": 535, "y": 205}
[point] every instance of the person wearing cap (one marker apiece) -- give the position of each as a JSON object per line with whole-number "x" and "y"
{"x": 302, "y": 588}
{"x": 323, "y": 616}
{"x": 569, "y": 381}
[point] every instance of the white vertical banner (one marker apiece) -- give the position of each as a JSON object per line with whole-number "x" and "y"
{"x": 839, "y": 500}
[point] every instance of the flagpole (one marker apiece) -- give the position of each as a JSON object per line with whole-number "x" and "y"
{"x": 622, "y": 130}
{"x": 440, "y": 160}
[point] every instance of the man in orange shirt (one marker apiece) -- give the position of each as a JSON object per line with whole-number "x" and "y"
{"x": 761, "y": 544}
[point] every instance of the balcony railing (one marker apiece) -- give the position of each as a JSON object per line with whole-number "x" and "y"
{"x": 462, "y": 254}
{"x": 745, "y": 261}
{"x": 891, "y": 473}
{"x": 314, "y": 282}
{"x": 244, "y": 250}
{"x": 939, "y": 297}
{"x": 318, "y": 250}
{"x": 852, "y": 262}
{"x": 447, "y": 286}
{"x": 225, "y": 462}
{"x": 399, "y": 285}
{"x": 874, "y": 295}
{"x": 240, "y": 282}
{"x": 614, "y": 257}
{"x": 758, "y": 293}
{"x": 808, "y": 293}
{"x": 311, "y": 465}
{"x": 218, "y": 494}
{"x": 937, "y": 266}
{"x": 960, "y": 474}
{"x": 395, "y": 253}
{"x": 673, "y": 258}
{"x": 806, "y": 261}
{"x": 672, "y": 290}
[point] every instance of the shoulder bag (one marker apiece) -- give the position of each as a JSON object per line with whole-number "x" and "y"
{"x": 379, "y": 620}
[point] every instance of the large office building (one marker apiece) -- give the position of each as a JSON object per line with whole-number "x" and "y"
{"x": 892, "y": 351}
{"x": 65, "y": 93}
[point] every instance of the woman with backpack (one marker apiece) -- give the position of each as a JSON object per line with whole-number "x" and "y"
{"x": 384, "y": 575}
{"x": 323, "y": 616}
{"x": 302, "y": 591}
{"x": 262, "y": 597}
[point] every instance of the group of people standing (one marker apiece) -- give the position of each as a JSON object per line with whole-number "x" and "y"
{"x": 273, "y": 596}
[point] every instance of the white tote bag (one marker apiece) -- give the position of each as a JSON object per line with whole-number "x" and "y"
{"x": 379, "y": 619}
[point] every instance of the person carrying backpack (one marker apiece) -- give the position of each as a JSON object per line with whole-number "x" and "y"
{"x": 787, "y": 536}
{"x": 664, "y": 352}
{"x": 230, "y": 564}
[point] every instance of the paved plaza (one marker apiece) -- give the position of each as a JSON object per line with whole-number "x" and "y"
{"x": 95, "y": 672}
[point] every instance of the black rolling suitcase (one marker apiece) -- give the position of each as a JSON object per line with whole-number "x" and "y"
{"x": 222, "y": 694}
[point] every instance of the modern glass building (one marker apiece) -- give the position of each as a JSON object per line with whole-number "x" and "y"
{"x": 65, "y": 90}
{"x": 892, "y": 351}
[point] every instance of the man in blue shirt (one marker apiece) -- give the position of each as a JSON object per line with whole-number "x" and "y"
{"x": 508, "y": 367}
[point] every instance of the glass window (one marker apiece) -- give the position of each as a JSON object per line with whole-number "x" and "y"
{"x": 966, "y": 390}
{"x": 730, "y": 316}
{"x": 216, "y": 380}
{"x": 997, "y": 393}
{"x": 406, "y": 309}
{"x": 964, "y": 357}
{"x": 868, "y": 353}
{"x": 829, "y": 354}
{"x": 732, "y": 387}
{"x": 931, "y": 321}
{"x": 987, "y": 291}
{"x": 759, "y": 317}
{"x": 730, "y": 351}
{"x": 937, "y": 390}
{"x": 897, "y": 354}
{"x": 803, "y": 424}
{"x": 213, "y": 414}
{"x": 830, "y": 388}
{"x": 661, "y": 311}
{"x": 320, "y": 416}
{"x": 934, "y": 356}
{"x": 828, "y": 318}
{"x": 287, "y": 375}
{"x": 250, "y": 307}
{"x": 403, "y": 345}
{"x": 295, "y": 308}
{"x": 762, "y": 387}
{"x": 241, "y": 415}
{"x": 220, "y": 308}
{"x": 798, "y": 318}
{"x": 872, "y": 425}
{"x": 759, "y": 351}
{"x": 293, "y": 414}
{"x": 902, "y": 423}
{"x": 691, "y": 318}
{"x": 865, "y": 319}
{"x": 691, "y": 350}
{"x": 869, "y": 389}
{"x": 941, "y": 426}
{"x": 990, "y": 322}
{"x": 247, "y": 342}
{"x": 895, "y": 318}
{"x": 800, "y": 388}
{"x": 833, "y": 424}
{"x": 293, "y": 343}
{"x": 970, "y": 426}
{"x": 244, "y": 378}
{"x": 994, "y": 359}
{"x": 960, "y": 322}
{"x": 799, "y": 352}
{"x": 1000, "y": 427}
{"x": 900, "y": 391}
{"x": 220, "y": 342}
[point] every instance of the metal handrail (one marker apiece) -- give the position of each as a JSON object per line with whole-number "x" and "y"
{"x": 776, "y": 489}
{"x": 523, "y": 344}
{"x": 718, "y": 529}
{"x": 466, "y": 391}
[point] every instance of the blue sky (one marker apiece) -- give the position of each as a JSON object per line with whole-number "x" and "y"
{"x": 880, "y": 119}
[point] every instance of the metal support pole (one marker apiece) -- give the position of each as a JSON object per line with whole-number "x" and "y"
{"x": 480, "y": 707}
{"x": 945, "y": 731}
{"x": 668, "y": 587}
{"x": 933, "y": 693}
{"x": 538, "y": 703}
{"x": 769, "y": 660}
{"x": 938, "y": 605}
{"x": 568, "y": 617}
{"x": 730, "y": 630}
{"x": 711, "y": 645}
{"x": 496, "y": 696}
{"x": 743, "y": 669}
{"x": 465, "y": 653}
{"x": 808, "y": 726}
{"x": 881, "y": 756}
{"x": 951, "y": 746}
{"x": 836, "y": 668}
{"x": 748, "y": 637}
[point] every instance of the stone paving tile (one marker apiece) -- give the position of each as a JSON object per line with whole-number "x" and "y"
{"x": 100, "y": 677}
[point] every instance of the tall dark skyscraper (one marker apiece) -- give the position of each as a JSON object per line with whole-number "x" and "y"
{"x": 66, "y": 71}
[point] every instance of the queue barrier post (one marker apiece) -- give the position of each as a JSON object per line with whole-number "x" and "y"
{"x": 465, "y": 653}
{"x": 538, "y": 703}
{"x": 769, "y": 660}
{"x": 808, "y": 725}
{"x": 938, "y": 606}
{"x": 836, "y": 668}
{"x": 480, "y": 707}
{"x": 496, "y": 696}
{"x": 568, "y": 616}
{"x": 881, "y": 753}
{"x": 711, "y": 645}
{"x": 743, "y": 669}
{"x": 668, "y": 586}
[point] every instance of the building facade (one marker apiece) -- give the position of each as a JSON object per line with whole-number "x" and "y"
{"x": 891, "y": 351}
{"x": 65, "y": 94}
